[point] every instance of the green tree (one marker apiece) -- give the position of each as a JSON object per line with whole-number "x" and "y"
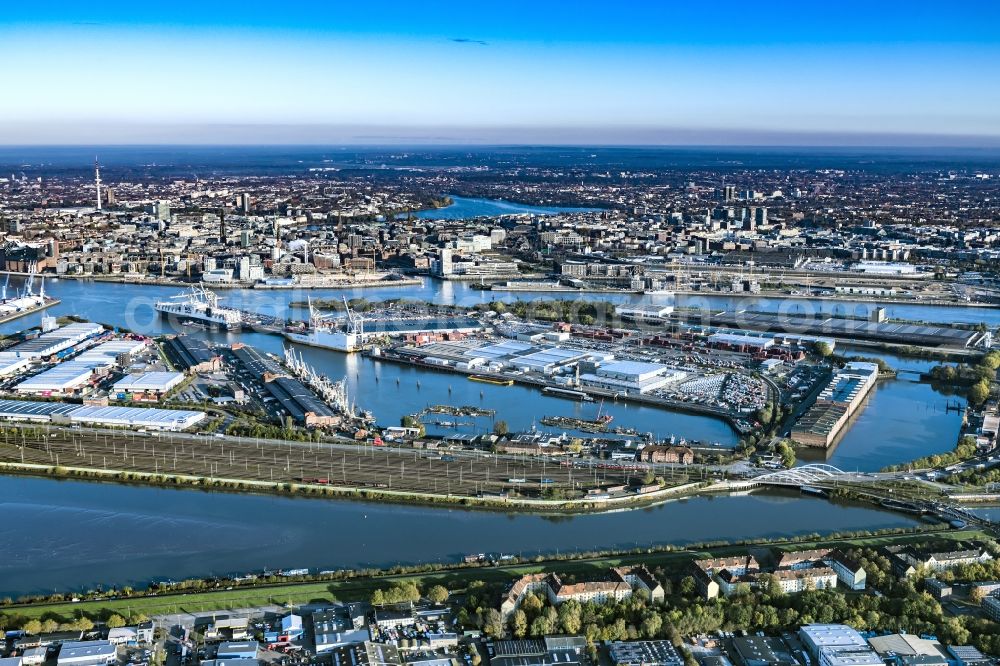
{"x": 493, "y": 623}
{"x": 116, "y": 621}
{"x": 438, "y": 594}
{"x": 519, "y": 623}
{"x": 785, "y": 449}
{"x": 822, "y": 349}
{"x": 500, "y": 428}
{"x": 570, "y": 617}
{"x": 651, "y": 625}
{"x": 32, "y": 627}
{"x": 979, "y": 392}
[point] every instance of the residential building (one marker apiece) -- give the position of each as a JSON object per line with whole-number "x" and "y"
{"x": 851, "y": 574}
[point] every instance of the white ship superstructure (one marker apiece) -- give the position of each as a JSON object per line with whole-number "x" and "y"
{"x": 326, "y": 333}
{"x": 202, "y": 306}
{"x": 24, "y": 300}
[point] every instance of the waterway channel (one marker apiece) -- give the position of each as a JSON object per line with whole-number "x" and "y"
{"x": 904, "y": 419}
{"x": 70, "y": 535}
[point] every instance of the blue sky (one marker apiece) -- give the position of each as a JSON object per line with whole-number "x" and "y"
{"x": 501, "y": 72}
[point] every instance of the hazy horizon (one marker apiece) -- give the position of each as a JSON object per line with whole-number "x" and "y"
{"x": 893, "y": 73}
{"x": 50, "y": 135}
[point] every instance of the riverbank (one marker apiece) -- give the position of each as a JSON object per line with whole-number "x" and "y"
{"x": 331, "y": 491}
{"x": 233, "y": 593}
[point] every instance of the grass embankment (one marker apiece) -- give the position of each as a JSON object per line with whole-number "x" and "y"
{"x": 455, "y": 579}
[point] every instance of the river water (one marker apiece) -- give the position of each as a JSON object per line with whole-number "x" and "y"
{"x": 467, "y": 208}
{"x": 59, "y": 535}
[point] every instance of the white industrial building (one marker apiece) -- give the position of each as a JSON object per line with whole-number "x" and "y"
{"x": 741, "y": 339}
{"x": 646, "y": 312}
{"x": 547, "y": 359}
{"x": 138, "y": 417}
{"x": 877, "y": 268}
{"x": 64, "y": 378}
{"x": 87, "y": 653}
{"x": 238, "y": 650}
{"x": 107, "y": 354}
{"x": 838, "y": 645}
{"x": 148, "y": 382}
{"x": 12, "y": 366}
{"x": 135, "y": 417}
{"x": 632, "y": 376}
{"x": 74, "y": 374}
{"x": 53, "y": 342}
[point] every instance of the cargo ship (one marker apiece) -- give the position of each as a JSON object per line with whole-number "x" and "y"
{"x": 326, "y": 333}
{"x": 200, "y": 306}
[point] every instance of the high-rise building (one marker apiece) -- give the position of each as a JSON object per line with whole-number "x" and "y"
{"x": 159, "y": 209}
{"x": 445, "y": 265}
{"x": 730, "y": 193}
{"x": 222, "y": 226}
{"x": 97, "y": 182}
{"x": 761, "y": 216}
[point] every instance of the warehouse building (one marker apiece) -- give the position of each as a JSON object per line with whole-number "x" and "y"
{"x": 53, "y": 342}
{"x": 138, "y": 417}
{"x": 192, "y": 355}
{"x": 837, "y": 645}
{"x": 299, "y": 401}
{"x": 37, "y": 412}
{"x": 74, "y": 375}
{"x": 112, "y": 353}
{"x": 147, "y": 385}
{"x": 238, "y": 650}
{"x": 134, "y": 417}
{"x": 631, "y": 377}
{"x": 836, "y": 403}
{"x": 893, "y": 332}
{"x": 644, "y": 313}
{"x": 63, "y": 379}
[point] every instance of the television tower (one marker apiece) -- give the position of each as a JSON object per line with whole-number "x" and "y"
{"x": 97, "y": 182}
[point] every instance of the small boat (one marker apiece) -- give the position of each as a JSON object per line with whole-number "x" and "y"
{"x": 498, "y": 381}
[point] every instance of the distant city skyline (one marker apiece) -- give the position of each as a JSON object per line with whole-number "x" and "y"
{"x": 887, "y": 74}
